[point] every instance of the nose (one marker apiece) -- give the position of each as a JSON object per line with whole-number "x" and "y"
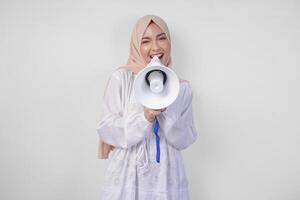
{"x": 155, "y": 46}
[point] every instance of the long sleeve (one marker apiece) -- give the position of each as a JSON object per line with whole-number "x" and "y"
{"x": 177, "y": 121}
{"x": 118, "y": 126}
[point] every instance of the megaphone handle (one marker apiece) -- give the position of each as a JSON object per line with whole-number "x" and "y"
{"x": 155, "y": 130}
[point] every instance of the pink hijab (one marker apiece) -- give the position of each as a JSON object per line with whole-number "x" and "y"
{"x": 135, "y": 61}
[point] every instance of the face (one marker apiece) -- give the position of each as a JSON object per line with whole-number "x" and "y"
{"x": 155, "y": 42}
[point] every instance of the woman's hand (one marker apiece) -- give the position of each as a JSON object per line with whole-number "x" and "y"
{"x": 150, "y": 114}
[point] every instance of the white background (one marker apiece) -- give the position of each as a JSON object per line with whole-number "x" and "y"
{"x": 241, "y": 58}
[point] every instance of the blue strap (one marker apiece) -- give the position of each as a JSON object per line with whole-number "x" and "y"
{"x": 155, "y": 130}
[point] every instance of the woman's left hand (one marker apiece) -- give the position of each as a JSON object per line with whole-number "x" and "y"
{"x": 150, "y": 114}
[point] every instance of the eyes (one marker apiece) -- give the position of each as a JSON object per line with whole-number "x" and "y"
{"x": 146, "y": 41}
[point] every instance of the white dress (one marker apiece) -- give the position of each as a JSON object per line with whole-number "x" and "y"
{"x": 133, "y": 173}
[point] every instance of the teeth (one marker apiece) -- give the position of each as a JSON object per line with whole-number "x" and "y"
{"x": 158, "y": 55}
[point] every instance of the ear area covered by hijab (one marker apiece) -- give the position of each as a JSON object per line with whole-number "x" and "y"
{"x": 135, "y": 61}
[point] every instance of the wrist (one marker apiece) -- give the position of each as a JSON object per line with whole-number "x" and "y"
{"x": 147, "y": 118}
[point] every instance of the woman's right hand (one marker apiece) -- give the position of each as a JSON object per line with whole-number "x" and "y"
{"x": 150, "y": 114}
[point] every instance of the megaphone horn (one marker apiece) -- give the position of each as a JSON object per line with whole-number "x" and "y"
{"x": 156, "y": 86}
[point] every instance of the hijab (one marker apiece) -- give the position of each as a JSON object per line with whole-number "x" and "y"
{"x": 135, "y": 61}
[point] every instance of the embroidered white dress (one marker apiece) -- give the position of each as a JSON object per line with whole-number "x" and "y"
{"x": 133, "y": 173}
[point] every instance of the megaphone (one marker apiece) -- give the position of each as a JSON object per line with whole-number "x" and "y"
{"x": 156, "y": 86}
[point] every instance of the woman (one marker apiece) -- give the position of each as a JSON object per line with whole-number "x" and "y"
{"x": 126, "y": 126}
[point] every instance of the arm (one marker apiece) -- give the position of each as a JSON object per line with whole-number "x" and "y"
{"x": 117, "y": 127}
{"x": 177, "y": 121}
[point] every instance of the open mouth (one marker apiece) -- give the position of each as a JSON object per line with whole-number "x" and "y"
{"x": 158, "y": 55}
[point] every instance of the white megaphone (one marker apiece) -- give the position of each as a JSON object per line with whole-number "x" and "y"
{"x": 156, "y": 86}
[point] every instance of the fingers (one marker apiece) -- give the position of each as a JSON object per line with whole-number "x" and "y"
{"x": 161, "y": 110}
{"x": 158, "y": 112}
{"x": 150, "y": 114}
{"x": 154, "y": 111}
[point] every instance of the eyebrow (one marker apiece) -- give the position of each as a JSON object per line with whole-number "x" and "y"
{"x": 156, "y": 36}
